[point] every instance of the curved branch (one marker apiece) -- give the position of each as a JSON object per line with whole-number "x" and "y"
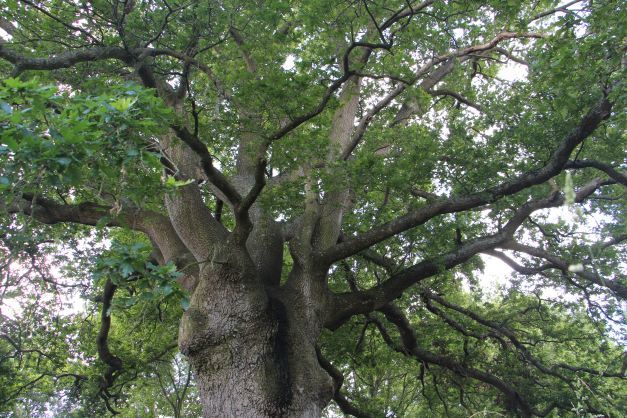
{"x": 338, "y": 379}
{"x": 71, "y": 27}
{"x": 299, "y": 120}
{"x": 70, "y": 58}
{"x": 606, "y": 168}
{"x": 511, "y": 336}
{"x": 561, "y": 264}
{"x": 409, "y": 347}
{"x": 214, "y": 175}
{"x": 114, "y": 363}
{"x": 405, "y": 11}
{"x": 534, "y": 177}
{"x": 346, "y": 305}
{"x": 64, "y": 59}
{"x": 50, "y": 212}
{"x": 349, "y": 304}
{"x": 518, "y": 267}
{"x": 563, "y": 9}
{"x": 155, "y": 225}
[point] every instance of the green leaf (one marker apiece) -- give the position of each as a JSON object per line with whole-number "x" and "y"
{"x": 6, "y": 108}
{"x": 172, "y": 182}
{"x": 126, "y": 269}
{"x": 122, "y": 104}
{"x": 64, "y": 161}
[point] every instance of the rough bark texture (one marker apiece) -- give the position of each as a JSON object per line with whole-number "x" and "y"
{"x": 253, "y": 351}
{"x": 250, "y": 338}
{"x": 251, "y": 343}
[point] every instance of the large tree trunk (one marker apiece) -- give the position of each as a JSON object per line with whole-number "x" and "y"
{"x": 250, "y": 341}
{"x": 253, "y": 351}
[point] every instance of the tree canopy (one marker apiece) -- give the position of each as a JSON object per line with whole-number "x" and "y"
{"x": 286, "y": 208}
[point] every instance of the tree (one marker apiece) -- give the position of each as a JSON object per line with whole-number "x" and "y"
{"x": 321, "y": 175}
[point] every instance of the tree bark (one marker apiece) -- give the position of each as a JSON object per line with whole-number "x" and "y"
{"x": 252, "y": 348}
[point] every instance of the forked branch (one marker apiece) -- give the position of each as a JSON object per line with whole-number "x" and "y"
{"x": 349, "y": 304}
{"x": 554, "y": 166}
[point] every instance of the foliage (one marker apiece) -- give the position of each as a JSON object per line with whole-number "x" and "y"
{"x": 109, "y": 109}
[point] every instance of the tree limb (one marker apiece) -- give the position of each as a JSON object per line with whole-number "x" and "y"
{"x": 530, "y": 178}
{"x": 606, "y": 168}
{"x": 114, "y": 363}
{"x": 346, "y": 305}
{"x": 511, "y": 336}
{"x": 445, "y": 62}
{"x": 561, "y": 264}
{"x": 338, "y": 379}
{"x": 409, "y": 347}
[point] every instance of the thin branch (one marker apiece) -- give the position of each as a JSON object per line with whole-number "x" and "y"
{"x": 214, "y": 175}
{"x": 405, "y": 11}
{"x": 114, "y": 363}
{"x": 620, "y": 177}
{"x": 563, "y": 9}
{"x": 446, "y": 62}
{"x": 518, "y": 267}
{"x": 511, "y": 56}
{"x": 296, "y": 122}
{"x": 456, "y": 96}
{"x": 348, "y": 73}
{"x": 60, "y": 21}
{"x": 409, "y": 346}
{"x": 561, "y": 264}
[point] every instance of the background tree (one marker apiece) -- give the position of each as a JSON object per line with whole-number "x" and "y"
{"x": 307, "y": 187}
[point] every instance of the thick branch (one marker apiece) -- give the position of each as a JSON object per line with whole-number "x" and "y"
{"x": 70, "y": 58}
{"x": 194, "y": 222}
{"x": 349, "y": 304}
{"x": 64, "y": 59}
{"x": 50, "y": 212}
{"x": 7, "y": 26}
{"x": 353, "y": 303}
{"x": 155, "y": 225}
{"x": 457, "y": 204}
